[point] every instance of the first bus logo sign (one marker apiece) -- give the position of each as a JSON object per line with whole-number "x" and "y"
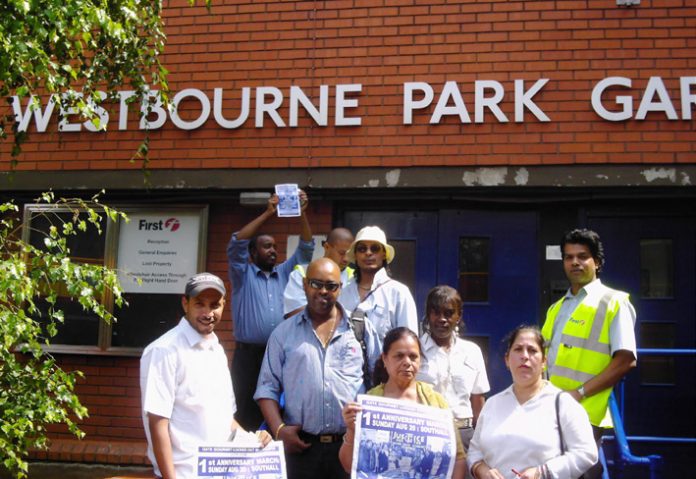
{"x": 170, "y": 224}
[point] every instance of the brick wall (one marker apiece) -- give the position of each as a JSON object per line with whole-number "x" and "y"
{"x": 110, "y": 387}
{"x": 383, "y": 44}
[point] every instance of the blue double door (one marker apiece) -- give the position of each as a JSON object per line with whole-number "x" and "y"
{"x": 491, "y": 257}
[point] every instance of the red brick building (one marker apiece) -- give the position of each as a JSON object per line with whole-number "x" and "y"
{"x": 474, "y": 132}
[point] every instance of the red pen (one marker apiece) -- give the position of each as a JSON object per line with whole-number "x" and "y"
{"x": 516, "y": 473}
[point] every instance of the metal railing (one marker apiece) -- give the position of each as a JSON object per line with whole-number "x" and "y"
{"x": 624, "y": 457}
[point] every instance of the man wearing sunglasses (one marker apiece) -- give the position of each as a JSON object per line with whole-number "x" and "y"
{"x": 316, "y": 360}
{"x": 336, "y": 247}
{"x": 387, "y": 303}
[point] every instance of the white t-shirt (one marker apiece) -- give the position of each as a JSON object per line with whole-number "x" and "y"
{"x": 388, "y": 306}
{"x": 512, "y": 435}
{"x": 185, "y": 377}
{"x": 456, "y": 374}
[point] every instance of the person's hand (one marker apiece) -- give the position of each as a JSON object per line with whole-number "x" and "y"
{"x": 530, "y": 473}
{"x": 349, "y": 413}
{"x": 272, "y": 205}
{"x": 304, "y": 201}
{"x": 291, "y": 440}
{"x": 575, "y": 394}
{"x": 264, "y": 437}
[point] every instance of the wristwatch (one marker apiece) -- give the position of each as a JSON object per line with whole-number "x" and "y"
{"x": 581, "y": 391}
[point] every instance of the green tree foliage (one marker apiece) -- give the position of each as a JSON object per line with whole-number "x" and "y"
{"x": 78, "y": 47}
{"x": 34, "y": 390}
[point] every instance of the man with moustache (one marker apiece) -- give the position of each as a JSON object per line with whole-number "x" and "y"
{"x": 185, "y": 384}
{"x": 316, "y": 361}
{"x": 590, "y": 332}
{"x": 385, "y": 302}
{"x": 257, "y": 300}
{"x": 336, "y": 247}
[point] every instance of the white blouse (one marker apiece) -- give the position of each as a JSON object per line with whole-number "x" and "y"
{"x": 512, "y": 435}
{"x": 456, "y": 374}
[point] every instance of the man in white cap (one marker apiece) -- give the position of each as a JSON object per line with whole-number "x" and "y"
{"x": 185, "y": 384}
{"x": 385, "y": 302}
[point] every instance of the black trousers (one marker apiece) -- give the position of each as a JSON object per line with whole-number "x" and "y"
{"x": 319, "y": 461}
{"x": 245, "y": 373}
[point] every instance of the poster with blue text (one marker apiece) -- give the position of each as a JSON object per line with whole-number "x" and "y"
{"x": 402, "y": 440}
{"x": 225, "y": 461}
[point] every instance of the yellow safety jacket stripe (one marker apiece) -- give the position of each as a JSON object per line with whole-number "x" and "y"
{"x": 584, "y": 351}
{"x": 349, "y": 271}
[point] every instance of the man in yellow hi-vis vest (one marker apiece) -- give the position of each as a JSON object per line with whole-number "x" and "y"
{"x": 336, "y": 246}
{"x": 589, "y": 332}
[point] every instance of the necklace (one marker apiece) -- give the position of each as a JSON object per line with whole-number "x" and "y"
{"x": 363, "y": 288}
{"x": 325, "y": 341}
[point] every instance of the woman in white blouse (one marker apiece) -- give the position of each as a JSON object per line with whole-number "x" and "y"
{"x": 454, "y": 366}
{"x": 517, "y": 435}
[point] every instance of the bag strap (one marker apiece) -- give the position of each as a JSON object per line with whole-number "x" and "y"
{"x": 357, "y": 324}
{"x": 558, "y": 421}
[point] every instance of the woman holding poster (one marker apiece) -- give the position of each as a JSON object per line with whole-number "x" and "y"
{"x": 395, "y": 373}
{"x": 519, "y": 431}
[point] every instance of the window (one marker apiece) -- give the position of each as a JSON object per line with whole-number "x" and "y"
{"x": 656, "y": 268}
{"x": 473, "y": 269}
{"x": 404, "y": 270}
{"x": 161, "y": 246}
{"x": 657, "y": 369}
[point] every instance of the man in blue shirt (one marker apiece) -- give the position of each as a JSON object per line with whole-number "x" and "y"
{"x": 257, "y": 300}
{"x": 316, "y": 360}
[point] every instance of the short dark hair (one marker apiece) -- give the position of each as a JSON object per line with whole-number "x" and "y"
{"x": 510, "y": 338}
{"x": 588, "y": 238}
{"x": 440, "y": 296}
{"x": 380, "y": 375}
{"x": 253, "y": 241}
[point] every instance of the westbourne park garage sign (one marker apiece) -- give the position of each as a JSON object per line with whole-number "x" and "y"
{"x": 345, "y": 98}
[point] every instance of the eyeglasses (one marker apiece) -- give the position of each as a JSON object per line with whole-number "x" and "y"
{"x": 374, "y": 248}
{"x": 329, "y": 286}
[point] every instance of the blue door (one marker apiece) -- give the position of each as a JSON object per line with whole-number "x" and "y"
{"x": 491, "y": 257}
{"x": 414, "y": 237}
{"x": 654, "y": 259}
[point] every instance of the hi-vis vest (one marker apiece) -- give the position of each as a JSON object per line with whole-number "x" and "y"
{"x": 349, "y": 271}
{"x": 584, "y": 351}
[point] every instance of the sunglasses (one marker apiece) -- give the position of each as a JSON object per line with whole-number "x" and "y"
{"x": 329, "y": 286}
{"x": 374, "y": 249}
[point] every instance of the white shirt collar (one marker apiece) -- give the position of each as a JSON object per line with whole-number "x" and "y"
{"x": 381, "y": 277}
{"x": 194, "y": 338}
{"x": 589, "y": 288}
{"x": 429, "y": 343}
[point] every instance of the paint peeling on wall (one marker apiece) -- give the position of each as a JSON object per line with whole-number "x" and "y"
{"x": 392, "y": 178}
{"x": 485, "y": 177}
{"x": 522, "y": 177}
{"x": 660, "y": 174}
{"x": 685, "y": 179}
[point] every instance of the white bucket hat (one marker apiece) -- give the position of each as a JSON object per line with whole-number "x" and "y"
{"x": 371, "y": 233}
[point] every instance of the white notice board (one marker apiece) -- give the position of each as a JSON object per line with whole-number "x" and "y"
{"x": 161, "y": 248}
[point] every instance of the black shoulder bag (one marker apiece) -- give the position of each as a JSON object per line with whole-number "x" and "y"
{"x": 357, "y": 324}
